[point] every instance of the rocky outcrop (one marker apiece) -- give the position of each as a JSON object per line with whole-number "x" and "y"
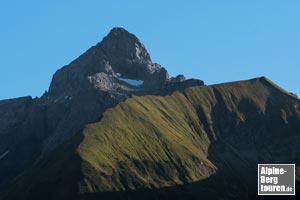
{"x": 120, "y": 52}
{"x": 97, "y": 80}
{"x": 22, "y": 130}
{"x": 78, "y": 95}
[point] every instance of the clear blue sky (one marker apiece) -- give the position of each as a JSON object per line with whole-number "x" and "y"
{"x": 216, "y": 41}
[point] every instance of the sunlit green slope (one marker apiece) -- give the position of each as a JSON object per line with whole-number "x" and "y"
{"x": 154, "y": 141}
{"x": 203, "y": 143}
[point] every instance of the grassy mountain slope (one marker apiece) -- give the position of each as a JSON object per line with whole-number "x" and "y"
{"x": 147, "y": 142}
{"x": 204, "y": 142}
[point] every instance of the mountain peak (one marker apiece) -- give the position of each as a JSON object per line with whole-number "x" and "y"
{"x": 120, "y": 43}
{"x": 120, "y": 52}
{"x": 118, "y": 30}
{"x": 266, "y": 81}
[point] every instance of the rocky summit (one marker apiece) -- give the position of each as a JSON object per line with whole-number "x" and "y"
{"x": 114, "y": 125}
{"x": 116, "y": 68}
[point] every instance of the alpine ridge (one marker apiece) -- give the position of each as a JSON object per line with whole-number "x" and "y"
{"x": 114, "y": 125}
{"x": 78, "y": 95}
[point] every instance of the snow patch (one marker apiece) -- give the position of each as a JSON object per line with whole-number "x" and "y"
{"x": 130, "y": 81}
{"x": 133, "y": 82}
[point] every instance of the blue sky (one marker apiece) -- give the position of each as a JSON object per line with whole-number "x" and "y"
{"x": 216, "y": 41}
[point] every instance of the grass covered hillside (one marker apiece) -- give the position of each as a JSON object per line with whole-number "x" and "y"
{"x": 155, "y": 142}
{"x": 204, "y": 142}
{"x": 148, "y": 142}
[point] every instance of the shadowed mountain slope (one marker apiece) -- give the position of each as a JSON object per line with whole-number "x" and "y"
{"x": 205, "y": 142}
{"x": 79, "y": 93}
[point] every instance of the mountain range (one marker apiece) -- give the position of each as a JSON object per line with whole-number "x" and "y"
{"x": 114, "y": 125}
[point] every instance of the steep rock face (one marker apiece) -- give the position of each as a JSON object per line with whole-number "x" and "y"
{"x": 119, "y": 52}
{"x": 13, "y": 112}
{"x": 131, "y": 59}
{"x": 78, "y": 95}
{"x": 22, "y": 129}
{"x": 97, "y": 80}
{"x": 203, "y": 143}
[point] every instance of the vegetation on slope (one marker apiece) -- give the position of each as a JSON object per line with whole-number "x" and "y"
{"x": 154, "y": 142}
{"x": 148, "y": 141}
{"x": 205, "y": 142}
